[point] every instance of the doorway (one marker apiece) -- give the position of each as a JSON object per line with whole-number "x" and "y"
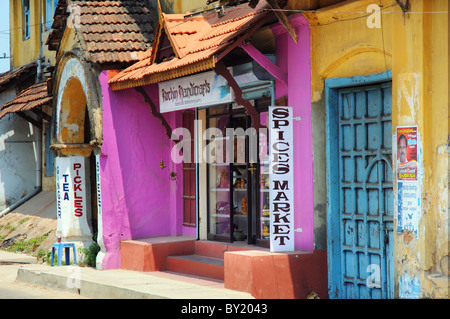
{"x": 359, "y": 187}
{"x": 237, "y": 179}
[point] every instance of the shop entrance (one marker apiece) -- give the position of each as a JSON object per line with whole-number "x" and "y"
{"x": 237, "y": 183}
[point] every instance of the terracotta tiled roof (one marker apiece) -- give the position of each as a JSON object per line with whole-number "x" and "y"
{"x": 36, "y": 95}
{"x": 110, "y": 32}
{"x": 195, "y": 41}
{"x": 7, "y": 78}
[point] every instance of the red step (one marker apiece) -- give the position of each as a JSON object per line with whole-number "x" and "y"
{"x": 197, "y": 265}
{"x": 208, "y": 260}
{"x": 150, "y": 254}
{"x": 177, "y": 254}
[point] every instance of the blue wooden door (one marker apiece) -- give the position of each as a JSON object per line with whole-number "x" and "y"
{"x": 365, "y": 195}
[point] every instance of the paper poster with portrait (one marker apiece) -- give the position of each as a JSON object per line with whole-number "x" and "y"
{"x": 407, "y": 153}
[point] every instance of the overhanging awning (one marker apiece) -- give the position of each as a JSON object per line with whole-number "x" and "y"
{"x": 29, "y": 99}
{"x": 185, "y": 46}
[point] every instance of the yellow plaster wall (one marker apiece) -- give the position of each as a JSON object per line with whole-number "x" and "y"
{"x": 182, "y": 6}
{"x": 420, "y": 97}
{"x": 26, "y": 51}
{"x": 347, "y": 47}
{"x": 69, "y": 42}
{"x": 415, "y": 47}
{"x": 341, "y": 46}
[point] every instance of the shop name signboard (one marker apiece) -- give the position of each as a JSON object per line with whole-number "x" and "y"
{"x": 281, "y": 179}
{"x": 204, "y": 89}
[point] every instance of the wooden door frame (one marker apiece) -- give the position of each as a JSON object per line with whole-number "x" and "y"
{"x": 332, "y": 87}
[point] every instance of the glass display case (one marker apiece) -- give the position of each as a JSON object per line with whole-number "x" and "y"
{"x": 240, "y": 202}
{"x": 264, "y": 203}
{"x": 219, "y": 199}
{"x": 238, "y": 184}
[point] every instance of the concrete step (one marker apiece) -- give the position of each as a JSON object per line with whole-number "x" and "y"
{"x": 217, "y": 249}
{"x": 197, "y": 265}
{"x": 210, "y": 249}
{"x": 150, "y": 254}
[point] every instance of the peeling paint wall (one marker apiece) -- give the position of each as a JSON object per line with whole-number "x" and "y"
{"x": 415, "y": 47}
{"x": 339, "y": 49}
{"x": 420, "y": 94}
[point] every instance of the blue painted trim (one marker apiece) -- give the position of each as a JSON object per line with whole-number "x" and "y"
{"x": 332, "y": 160}
{"x": 358, "y": 80}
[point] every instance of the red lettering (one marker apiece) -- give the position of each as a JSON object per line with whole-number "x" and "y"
{"x": 76, "y": 166}
{"x": 78, "y": 212}
{"x": 77, "y": 179}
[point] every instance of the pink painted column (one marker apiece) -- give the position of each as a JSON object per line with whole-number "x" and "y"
{"x": 295, "y": 60}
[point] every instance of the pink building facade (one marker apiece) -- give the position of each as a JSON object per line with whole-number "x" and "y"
{"x": 140, "y": 200}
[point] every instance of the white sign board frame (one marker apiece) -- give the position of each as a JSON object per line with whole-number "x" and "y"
{"x": 204, "y": 89}
{"x": 281, "y": 173}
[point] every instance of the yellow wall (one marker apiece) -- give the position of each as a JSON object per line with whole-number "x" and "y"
{"x": 26, "y": 51}
{"x": 340, "y": 47}
{"x": 183, "y": 6}
{"x": 415, "y": 47}
{"x": 421, "y": 70}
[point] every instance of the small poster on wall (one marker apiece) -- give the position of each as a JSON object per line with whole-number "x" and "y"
{"x": 408, "y": 206}
{"x": 407, "y": 154}
{"x": 408, "y": 178}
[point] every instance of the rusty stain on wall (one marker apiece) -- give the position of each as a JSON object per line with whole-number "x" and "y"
{"x": 73, "y": 111}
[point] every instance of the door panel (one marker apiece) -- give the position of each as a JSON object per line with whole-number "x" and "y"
{"x": 365, "y": 192}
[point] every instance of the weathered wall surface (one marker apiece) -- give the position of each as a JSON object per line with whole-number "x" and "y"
{"x": 420, "y": 97}
{"x": 24, "y": 51}
{"x": 415, "y": 47}
{"x": 17, "y": 163}
{"x": 340, "y": 48}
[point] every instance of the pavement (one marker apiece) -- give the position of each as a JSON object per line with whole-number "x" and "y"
{"x": 41, "y": 205}
{"x": 115, "y": 283}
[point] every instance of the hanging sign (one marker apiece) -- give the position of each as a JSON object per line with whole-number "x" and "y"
{"x": 281, "y": 175}
{"x": 204, "y": 89}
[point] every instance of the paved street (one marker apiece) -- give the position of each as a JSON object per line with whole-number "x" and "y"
{"x": 22, "y": 277}
{"x": 12, "y": 289}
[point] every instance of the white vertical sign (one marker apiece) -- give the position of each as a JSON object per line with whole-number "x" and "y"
{"x": 281, "y": 170}
{"x": 71, "y": 195}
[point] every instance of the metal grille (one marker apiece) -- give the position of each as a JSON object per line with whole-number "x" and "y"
{"x": 366, "y": 193}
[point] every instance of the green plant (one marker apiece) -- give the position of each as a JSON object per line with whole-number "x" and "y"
{"x": 23, "y": 220}
{"x": 42, "y": 254}
{"x": 28, "y": 246}
{"x": 10, "y": 227}
{"x": 90, "y": 254}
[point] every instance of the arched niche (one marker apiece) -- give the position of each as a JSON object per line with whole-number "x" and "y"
{"x": 72, "y": 114}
